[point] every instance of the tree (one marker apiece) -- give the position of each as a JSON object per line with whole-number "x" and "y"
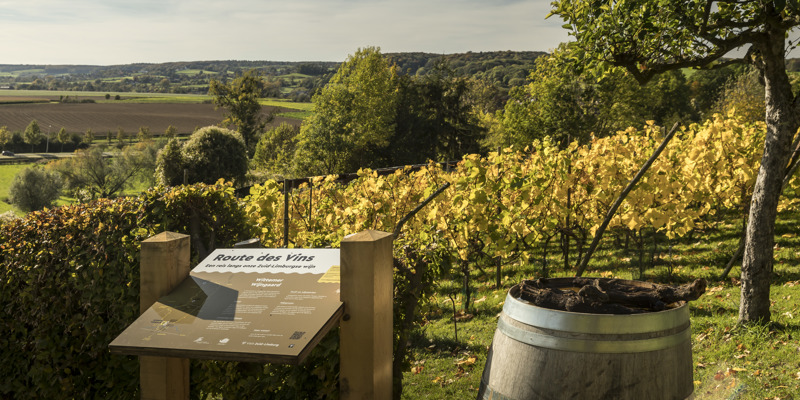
{"x": 436, "y": 117}
{"x": 354, "y": 117}
{"x": 170, "y": 164}
{"x": 88, "y": 137}
{"x": 171, "y": 132}
{"x": 275, "y": 149}
{"x": 654, "y": 36}
{"x": 62, "y": 137}
{"x": 744, "y": 95}
{"x": 34, "y": 188}
{"x": 120, "y": 137}
{"x": 97, "y": 174}
{"x": 239, "y": 98}
{"x": 565, "y": 104}
{"x": 5, "y": 137}
{"x": 210, "y": 154}
{"x": 33, "y": 134}
{"x": 144, "y": 133}
{"x": 706, "y": 86}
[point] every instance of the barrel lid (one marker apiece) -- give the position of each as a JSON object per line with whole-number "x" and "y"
{"x": 530, "y": 314}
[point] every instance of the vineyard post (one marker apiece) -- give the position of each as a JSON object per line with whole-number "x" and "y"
{"x": 365, "y": 338}
{"x": 285, "y": 213}
{"x": 164, "y": 264}
{"x": 618, "y": 202}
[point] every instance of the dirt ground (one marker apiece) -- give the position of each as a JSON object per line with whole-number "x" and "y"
{"x": 109, "y": 117}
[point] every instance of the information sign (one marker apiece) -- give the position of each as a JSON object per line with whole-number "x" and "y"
{"x": 254, "y": 305}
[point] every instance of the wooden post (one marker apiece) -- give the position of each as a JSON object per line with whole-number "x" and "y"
{"x": 165, "y": 263}
{"x": 365, "y": 342}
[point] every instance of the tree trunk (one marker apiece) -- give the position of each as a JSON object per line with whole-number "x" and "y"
{"x": 781, "y": 123}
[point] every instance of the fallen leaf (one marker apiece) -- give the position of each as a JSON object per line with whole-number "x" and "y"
{"x": 468, "y": 361}
{"x": 701, "y": 337}
{"x": 481, "y": 300}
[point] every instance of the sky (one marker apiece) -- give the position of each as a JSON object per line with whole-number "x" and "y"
{"x": 111, "y": 32}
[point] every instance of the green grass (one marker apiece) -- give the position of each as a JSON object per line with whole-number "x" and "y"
{"x": 287, "y": 104}
{"x": 7, "y": 173}
{"x": 759, "y": 361}
{"x": 163, "y": 99}
{"x": 167, "y": 98}
{"x": 196, "y": 71}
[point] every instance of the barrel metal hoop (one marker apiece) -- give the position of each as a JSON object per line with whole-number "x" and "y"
{"x": 592, "y": 346}
{"x": 530, "y": 314}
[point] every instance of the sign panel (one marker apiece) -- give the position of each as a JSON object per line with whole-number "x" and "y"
{"x": 256, "y": 305}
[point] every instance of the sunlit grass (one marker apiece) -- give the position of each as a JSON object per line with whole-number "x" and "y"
{"x": 752, "y": 362}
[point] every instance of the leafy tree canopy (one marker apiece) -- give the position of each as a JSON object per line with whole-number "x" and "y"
{"x": 210, "y": 154}
{"x": 239, "y": 98}
{"x": 353, "y": 118}
{"x": 653, "y": 36}
{"x": 35, "y": 188}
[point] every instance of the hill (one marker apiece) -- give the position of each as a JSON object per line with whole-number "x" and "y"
{"x": 285, "y": 79}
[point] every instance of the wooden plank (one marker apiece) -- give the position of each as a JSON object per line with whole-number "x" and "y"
{"x": 164, "y": 263}
{"x": 366, "y": 328}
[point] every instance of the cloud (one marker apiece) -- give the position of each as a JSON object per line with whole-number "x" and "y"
{"x": 115, "y": 32}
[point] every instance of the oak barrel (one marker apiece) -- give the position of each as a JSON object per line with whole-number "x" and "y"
{"x": 539, "y": 353}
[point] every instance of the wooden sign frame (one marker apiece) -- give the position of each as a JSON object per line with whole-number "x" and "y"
{"x": 251, "y": 305}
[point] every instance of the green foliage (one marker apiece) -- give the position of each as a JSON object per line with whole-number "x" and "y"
{"x": 5, "y": 137}
{"x": 85, "y": 259}
{"x": 88, "y": 137}
{"x": 98, "y": 176}
{"x": 170, "y": 164}
{"x": 240, "y": 101}
{"x": 564, "y": 103}
{"x": 33, "y": 134}
{"x": 706, "y": 86}
{"x": 317, "y": 378}
{"x": 144, "y": 133}
{"x": 435, "y": 118}
{"x": 35, "y": 188}
{"x": 744, "y": 95}
{"x": 171, "y": 132}
{"x": 275, "y": 149}
{"x": 646, "y": 41}
{"x": 353, "y": 119}
{"x": 210, "y": 154}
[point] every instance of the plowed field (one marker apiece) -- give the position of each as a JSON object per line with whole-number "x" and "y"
{"x": 108, "y": 117}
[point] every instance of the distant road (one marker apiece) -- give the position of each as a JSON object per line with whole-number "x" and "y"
{"x": 24, "y": 158}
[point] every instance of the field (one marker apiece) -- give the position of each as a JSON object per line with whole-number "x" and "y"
{"x": 156, "y": 112}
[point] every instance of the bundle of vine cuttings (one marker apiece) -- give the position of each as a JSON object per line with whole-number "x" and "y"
{"x": 607, "y": 296}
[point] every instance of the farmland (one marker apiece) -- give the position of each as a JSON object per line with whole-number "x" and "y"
{"x": 156, "y": 112}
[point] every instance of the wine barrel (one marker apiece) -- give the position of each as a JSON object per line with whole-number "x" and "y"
{"x": 539, "y": 353}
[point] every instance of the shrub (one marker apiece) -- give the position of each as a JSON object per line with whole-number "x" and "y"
{"x": 35, "y": 188}
{"x": 85, "y": 259}
{"x": 276, "y": 148}
{"x": 210, "y": 154}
